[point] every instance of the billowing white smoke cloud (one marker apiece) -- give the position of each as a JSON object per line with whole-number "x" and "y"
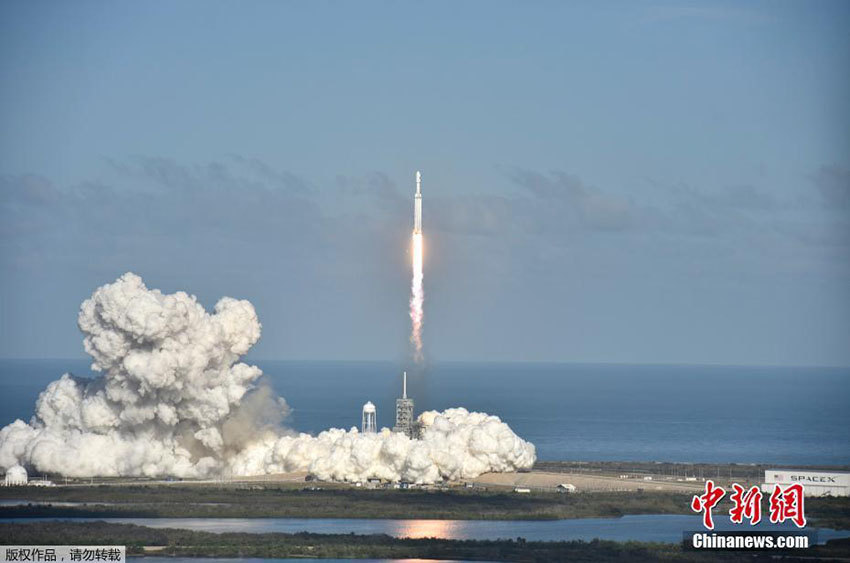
{"x": 455, "y": 444}
{"x": 174, "y": 400}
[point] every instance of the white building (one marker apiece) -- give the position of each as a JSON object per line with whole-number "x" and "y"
{"x": 815, "y": 483}
{"x": 16, "y": 475}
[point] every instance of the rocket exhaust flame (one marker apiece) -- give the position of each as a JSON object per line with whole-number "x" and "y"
{"x": 417, "y": 295}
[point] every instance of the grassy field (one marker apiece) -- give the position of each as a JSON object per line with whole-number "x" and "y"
{"x": 174, "y": 501}
{"x": 214, "y": 502}
{"x": 171, "y": 542}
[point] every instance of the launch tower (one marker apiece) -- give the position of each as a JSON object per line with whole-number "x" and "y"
{"x": 404, "y": 412}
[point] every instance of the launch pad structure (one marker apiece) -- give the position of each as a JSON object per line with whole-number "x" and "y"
{"x": 404, "y": 419}
{"x": 403, "y": 411}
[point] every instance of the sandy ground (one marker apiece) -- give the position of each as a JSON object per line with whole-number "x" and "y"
{"x": 541, "y": 480}
{"x": 536, "y": 480}
{"x": 297, "y": 476}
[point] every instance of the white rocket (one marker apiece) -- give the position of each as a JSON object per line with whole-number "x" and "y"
{"x": 417, "y": 205}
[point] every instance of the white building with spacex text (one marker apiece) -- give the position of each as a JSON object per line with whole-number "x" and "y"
{"x": 815, "y": 483}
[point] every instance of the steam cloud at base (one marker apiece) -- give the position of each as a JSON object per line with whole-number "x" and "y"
{"x": 174, "y": 400}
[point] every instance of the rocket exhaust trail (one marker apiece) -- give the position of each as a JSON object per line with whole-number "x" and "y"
{"x": 417, "y": 296}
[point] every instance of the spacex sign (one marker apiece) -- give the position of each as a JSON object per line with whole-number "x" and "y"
{"x": 812, "y": 479}
{"x": 816, "y": 483}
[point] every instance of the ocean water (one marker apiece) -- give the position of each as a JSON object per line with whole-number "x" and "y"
{"x": 569, "y": 411}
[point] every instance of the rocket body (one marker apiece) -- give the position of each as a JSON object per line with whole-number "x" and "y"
{"x": 417, "y": 295}
{"x": 417, "y": 205}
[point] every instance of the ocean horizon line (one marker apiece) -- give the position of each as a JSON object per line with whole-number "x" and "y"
{"x": 484, "y": 362}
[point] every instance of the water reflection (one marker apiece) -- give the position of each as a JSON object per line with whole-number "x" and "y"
{"x": 665, "y": 528}
{"x": 417, "y": 529}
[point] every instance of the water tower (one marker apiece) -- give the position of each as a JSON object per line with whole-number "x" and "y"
{"x": 370, "y": 418}
{"x": 16, "y": 475}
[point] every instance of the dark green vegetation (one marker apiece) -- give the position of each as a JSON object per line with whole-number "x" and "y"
{"x": 176, "y": 501}
{"x": 214, "y": 502}
{"x": 204, "y": 544}
{"x": 829, "y": 512}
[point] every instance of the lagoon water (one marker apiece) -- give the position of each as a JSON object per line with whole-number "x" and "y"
{"x": 569, "y": 411}
{"x": 665, "y": 528}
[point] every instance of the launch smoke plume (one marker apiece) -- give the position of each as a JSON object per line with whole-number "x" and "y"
{"x": 174, "y": 399}
{"x": 417, "y": 298}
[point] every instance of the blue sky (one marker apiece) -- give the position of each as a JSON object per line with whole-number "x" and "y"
{"x": 653, "y": 182}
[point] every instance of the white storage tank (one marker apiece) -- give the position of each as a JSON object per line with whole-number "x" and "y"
{"x": 370, "y": 418}
{"x": 815, "y": 483}
{"x": 16, "y": 475}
